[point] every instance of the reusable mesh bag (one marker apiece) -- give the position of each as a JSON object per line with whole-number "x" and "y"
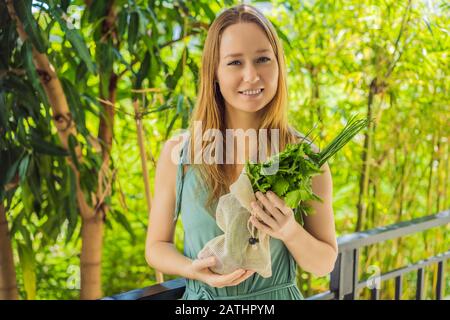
{"x": 241, "y": 245}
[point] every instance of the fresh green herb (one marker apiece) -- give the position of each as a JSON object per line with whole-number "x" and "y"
{"x": 295, "y": 167}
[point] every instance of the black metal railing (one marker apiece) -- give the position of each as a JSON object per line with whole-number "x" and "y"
{"x": 344, "y": 279}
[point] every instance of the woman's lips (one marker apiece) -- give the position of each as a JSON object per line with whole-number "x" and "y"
{"x": 252, "y": 95}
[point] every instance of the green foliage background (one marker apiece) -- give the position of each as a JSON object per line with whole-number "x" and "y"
{"x": 343, "y": 57}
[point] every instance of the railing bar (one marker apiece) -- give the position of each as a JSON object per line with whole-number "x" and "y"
{"x": 398, "y": 287}
{"x": 335, "y": 278}
{"x": 168, "y": 288}
{"x": 327, "y": 295}
{"x": 355, "y": 273}
{"x": 420, "y": 283}
{"x": 440, "y": 280}
{"x": 375, "y": 294}
{"x": 365, "y": 238}
{"x": 410, "y": 268}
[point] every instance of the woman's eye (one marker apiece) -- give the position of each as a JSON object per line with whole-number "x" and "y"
{"x": 236, "y": 62}
{"x": 264, "y": 58}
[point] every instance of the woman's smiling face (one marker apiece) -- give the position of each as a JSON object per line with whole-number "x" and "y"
{"x": 247, "y": 64}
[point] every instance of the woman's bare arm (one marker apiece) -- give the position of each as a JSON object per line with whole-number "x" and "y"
{"x": 315, "y": 247}
{"x": 160, "y": 251}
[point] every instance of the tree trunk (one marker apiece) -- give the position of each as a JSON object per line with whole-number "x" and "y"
{"x": 430, "y": 176}
{"x": 8, "y": 284}
{"x": 366, "y": 155}
{"x": 93, "y": 225}
{"x": 141, "y": 142}
{"x": 373, "y": 213}
{"x": 91, "y": 257}
{"x": 92, "y": 229}
{"x": 315, "y": 99}
{"x": 438, "y": 171}
{"x": 446, "y": 175}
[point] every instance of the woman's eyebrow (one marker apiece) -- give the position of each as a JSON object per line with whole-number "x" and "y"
{"x": 240, "y": 54}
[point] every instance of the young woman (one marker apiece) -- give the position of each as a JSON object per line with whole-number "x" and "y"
{"x": 242, "y": 86}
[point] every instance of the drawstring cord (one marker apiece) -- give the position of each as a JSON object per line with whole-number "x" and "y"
{"x": 253, "y": 240}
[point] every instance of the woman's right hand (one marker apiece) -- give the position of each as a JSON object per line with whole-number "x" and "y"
{"x": 200, "y": 271}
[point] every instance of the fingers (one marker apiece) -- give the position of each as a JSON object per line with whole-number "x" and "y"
{"x": 232, "y": 279}
{"x": 262, "y": 215}
{"x": 261, "y": 226}
{"x": 217, "y": 280}
{"x": 204, "y": 263}
{"x": 221, "y": 281}
{"x": 279, "y": 203}
{"x": 268, "y": 205}
{"x": 242, "y": 278}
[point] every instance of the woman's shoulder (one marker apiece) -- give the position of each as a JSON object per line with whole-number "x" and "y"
{"x": 170, "y": 156}
{"x": 172, "y": 147}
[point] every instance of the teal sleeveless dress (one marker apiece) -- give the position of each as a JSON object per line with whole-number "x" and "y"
{"x": 199, "y": 227}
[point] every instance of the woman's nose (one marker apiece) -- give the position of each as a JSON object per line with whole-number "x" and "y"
{"x": 251, "y": 74}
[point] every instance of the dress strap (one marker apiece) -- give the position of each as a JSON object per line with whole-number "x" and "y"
{"x": 180, "y": 177}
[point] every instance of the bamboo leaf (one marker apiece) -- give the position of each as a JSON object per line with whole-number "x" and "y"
{"x": 73, "y": 143}
{"x": 11, "y": 171}
{"x": 24, "y": 94}
{"x": 71, "y": 204}
{"x": 75, "y": 38}
{"x": 27, "y": 198}
{"x": 172, "y": 80}
{"x": 97, "y": 10}
{"x": 160, "y": 108}
{"x": 81, "y": 72}
{"x": 143, "y": 70}
{"x": 23, "y": 167}
{"x": 133, "y": 30}
{"x": 122, "y": 22}
{"x": 4, "y": 113}
{"x": 172, "y": 122}
{"x": 23, "y": 10}
{"x": 65, "y": 4}
{"x": 282, "y": 35}
{"x": 40, "y": 145}
{"x": 104, "y": 56}
{"x": 9, "y": 160}
{"x": 154, "y": 69}
{"x": 76, "y": 108}
{"x": 180, "y": 104}
{"x": 27, "y": 56}
{"x": 4, "y": 15}
{"x": 17, "y": 222}
{"x": 211, "y": 15}
{"x": 27, "y": 263}
{"x": 34, "y": 179}
{"x": 120, "y": 218}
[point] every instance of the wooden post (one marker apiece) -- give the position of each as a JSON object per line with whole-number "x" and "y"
{"x": 141, "y": 142}
{"x": 8, "y": 284}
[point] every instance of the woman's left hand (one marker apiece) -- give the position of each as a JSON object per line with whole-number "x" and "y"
{"x": 271, "y": 215}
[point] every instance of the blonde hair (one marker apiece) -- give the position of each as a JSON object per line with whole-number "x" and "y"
{"x": 210, "y": 107}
